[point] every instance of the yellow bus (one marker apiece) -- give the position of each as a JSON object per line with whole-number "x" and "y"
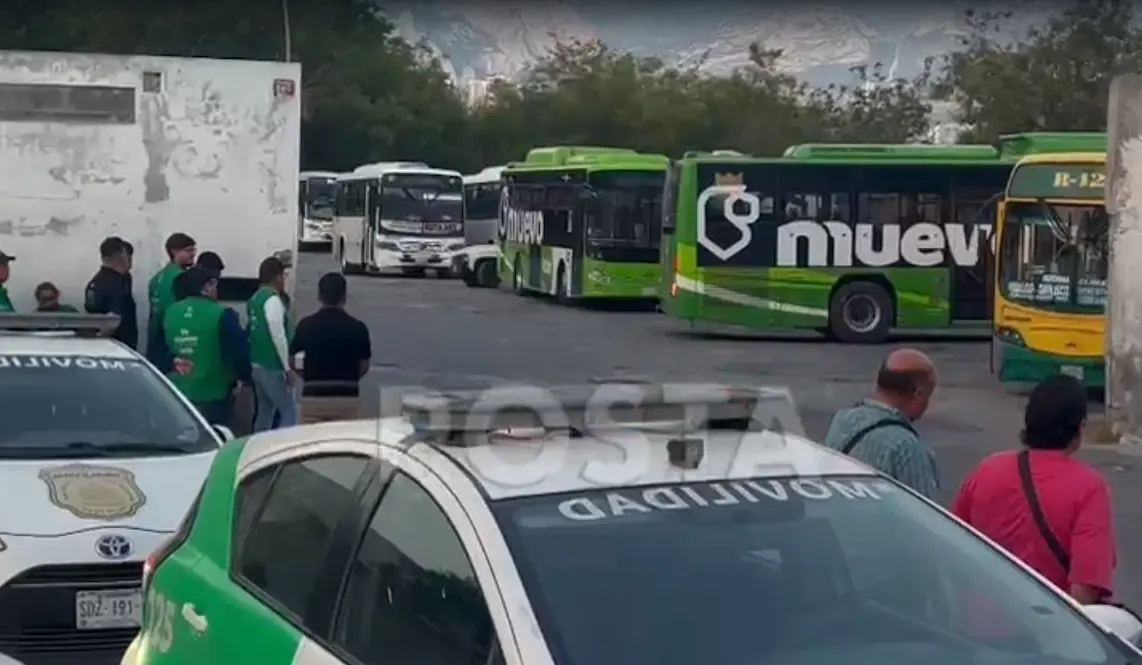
{"x": 1050, "y": 274}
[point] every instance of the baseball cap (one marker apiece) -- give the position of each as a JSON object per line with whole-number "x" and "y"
{"x": 5, "y": 259}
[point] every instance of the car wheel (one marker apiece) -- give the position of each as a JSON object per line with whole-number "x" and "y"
{"x": 486, "y": 274}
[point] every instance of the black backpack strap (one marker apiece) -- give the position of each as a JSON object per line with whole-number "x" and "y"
{"x": 1053, "y": 543}
{"x": 880, "y": 424}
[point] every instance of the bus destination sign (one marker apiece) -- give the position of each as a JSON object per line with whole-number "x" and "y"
{"x": 1058, "y": 181}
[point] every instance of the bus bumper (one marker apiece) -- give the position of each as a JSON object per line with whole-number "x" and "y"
{"x": 1019, "y": 364}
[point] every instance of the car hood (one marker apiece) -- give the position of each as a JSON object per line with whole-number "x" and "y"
{"x": 57, "y": 497}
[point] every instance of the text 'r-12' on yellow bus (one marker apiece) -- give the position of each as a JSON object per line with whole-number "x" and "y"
{"x": 1050, "y": 277}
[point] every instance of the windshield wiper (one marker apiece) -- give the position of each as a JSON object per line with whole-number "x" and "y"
{"x": 1055, "y": 223}
{"x": 131, "y": 447}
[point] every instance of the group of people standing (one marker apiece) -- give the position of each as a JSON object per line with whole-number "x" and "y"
{"x": 309, "y": 373}
{"x": 1040, "y": 503}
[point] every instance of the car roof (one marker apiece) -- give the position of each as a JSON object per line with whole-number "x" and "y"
{"x": 63, "y": 344}
{"x": 527, "y": 465}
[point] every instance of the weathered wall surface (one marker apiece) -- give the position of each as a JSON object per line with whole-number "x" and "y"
{"x": 210, "y": 149}
{"x": 1124, "y": 301}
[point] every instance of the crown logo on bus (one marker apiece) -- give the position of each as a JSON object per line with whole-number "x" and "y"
{"x": 728, "y": 179}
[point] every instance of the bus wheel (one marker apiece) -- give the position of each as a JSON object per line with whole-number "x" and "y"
{"x": 517, "y": 279}
{"x": 486, "y": 274}
{"x": 346, "y": 267}
{"x": 562, "y": 291}
{"x": 861, "y": 313}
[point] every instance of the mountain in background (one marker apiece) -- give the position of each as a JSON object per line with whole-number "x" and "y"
{"x": 480, "y": 42}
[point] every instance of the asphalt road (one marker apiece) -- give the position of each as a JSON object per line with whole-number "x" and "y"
{"x": 442, "y": 334}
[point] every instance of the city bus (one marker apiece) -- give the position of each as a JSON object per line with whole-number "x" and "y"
{"x": 482, "y": 205}
{"x": 316, "y": 191}
{"x": 852, "y": 241}
{"x": 581, "y": 223}
{"x": 1050, "y": 279}
{"x": 398, "y": 217}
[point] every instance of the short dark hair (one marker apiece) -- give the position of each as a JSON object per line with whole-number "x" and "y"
{"x": 128, "y": 247}
{"x": 191, "y": 281}
{"x": 1056, "y": 411}
{"x": 331, "y": 288}
{"x": 210, "y": 261}
{"x": 270, "y": 269}
{"x": 46, "y": 286}
{"x": 177, "y": 242}
{"x": 902, "y": 382}
{"x": 112, "y": 247}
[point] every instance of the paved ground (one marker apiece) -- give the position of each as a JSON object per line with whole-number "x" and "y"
{"x": 444, "y": 335}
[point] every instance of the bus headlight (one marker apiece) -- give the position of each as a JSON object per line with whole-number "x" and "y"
{"x": 1009, "y": 336}
{"x": 387, "y": 246}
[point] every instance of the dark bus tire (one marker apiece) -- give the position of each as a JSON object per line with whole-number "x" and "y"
{"x": 486, "y": 274}
{"x": 841, "y": 326}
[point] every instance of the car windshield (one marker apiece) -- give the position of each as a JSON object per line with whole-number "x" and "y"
{"x": 808, "y": 571}
{"x": 83, "y": 406}
{"x": 1055, "y": 256}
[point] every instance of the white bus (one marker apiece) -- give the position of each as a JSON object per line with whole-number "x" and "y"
{"x": 316, "y": 193}
{"x": 482, "y": 205}
{"x": 403, "y": 217}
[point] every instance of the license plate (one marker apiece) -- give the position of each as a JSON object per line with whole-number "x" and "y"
{"x": 1072, "y": 370}
{"x": 112, "y": 608}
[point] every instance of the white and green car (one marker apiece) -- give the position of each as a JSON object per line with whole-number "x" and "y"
{"x": 456, "y": 543}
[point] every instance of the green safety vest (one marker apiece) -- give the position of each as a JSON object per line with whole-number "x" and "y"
{"x": 5, "y": 303}
{"x": 262, "y": 351}
{"x": 191, "y": 327}
{"x": 160, "y": 293}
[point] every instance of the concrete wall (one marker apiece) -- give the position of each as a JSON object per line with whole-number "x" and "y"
{"x": 1124, "y": 300}
{"x": 208, "y": 147}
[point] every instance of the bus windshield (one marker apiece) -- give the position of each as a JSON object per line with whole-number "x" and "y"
{"x": 320, "y": 193}
{"x": 629, "y": 213}
{"x": 1055, "y": 256}
{"x": 423, "y": 199}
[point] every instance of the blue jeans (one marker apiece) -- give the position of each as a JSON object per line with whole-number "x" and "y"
{"x": 273, "y": 397}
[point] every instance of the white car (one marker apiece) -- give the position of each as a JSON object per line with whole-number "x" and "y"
{"x": 464, "y": 532}
{"x": 477, "y": 266}
{"x": 100, "y": 459}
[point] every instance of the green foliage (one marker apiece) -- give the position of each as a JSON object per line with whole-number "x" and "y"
{"x": 369, "y": 95}
{"x": 1055, "y": 76}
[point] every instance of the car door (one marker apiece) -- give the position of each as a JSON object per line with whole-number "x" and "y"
{"x": 164, "y": 639}
{"x": 411, "y": 595}
{"x": 268, "y": 583}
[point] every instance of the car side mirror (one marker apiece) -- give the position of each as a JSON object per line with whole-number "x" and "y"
{"x": 1118, "y": 620}
{"x": 223, "y": 431}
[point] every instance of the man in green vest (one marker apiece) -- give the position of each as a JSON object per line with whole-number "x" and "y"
{"x": 270, "y": 337}
{"x": 5, "y": 302}
{"x": 208, "y": 345}
{"x": 180, "y": 249}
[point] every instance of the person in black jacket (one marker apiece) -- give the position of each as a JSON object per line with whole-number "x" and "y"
{"x": 109, "y": 291}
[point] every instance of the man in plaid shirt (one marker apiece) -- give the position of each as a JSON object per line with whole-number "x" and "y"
{"x": 878, "y": 430}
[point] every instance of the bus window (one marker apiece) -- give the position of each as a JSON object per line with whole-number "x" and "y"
{"x": 482, "y": 201}
{"x": 1055, "y": 256}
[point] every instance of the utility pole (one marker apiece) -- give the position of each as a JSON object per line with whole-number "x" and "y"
{"x": 1124, "y": 297}
{"x": 285, "y": 26}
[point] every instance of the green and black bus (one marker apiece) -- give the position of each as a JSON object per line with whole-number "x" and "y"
{"x": 582, "y": 223}
{"x": 850, "y": 240}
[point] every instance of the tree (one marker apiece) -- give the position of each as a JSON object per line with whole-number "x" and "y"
{"x": 1055, "y": 77}
{"x": 876, "y": 108}
{"x": 367, "y": 94}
